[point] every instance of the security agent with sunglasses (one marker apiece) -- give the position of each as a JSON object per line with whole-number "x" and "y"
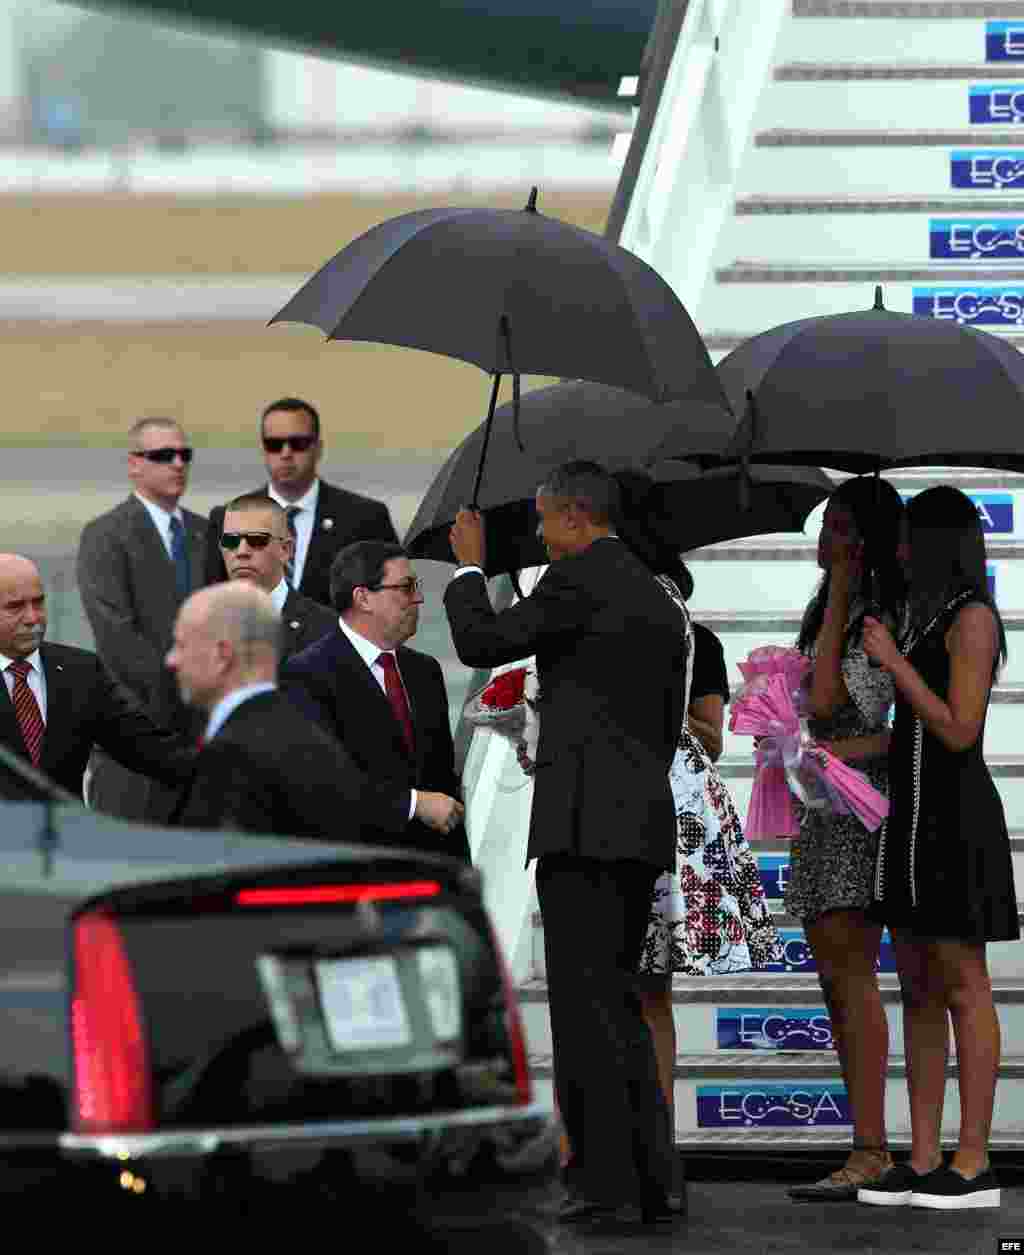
{"x": 385, "y": 703}
{"x": 256, "y": 547}
{"x": 136, "y": 565}
{"x": 322, "y": 518}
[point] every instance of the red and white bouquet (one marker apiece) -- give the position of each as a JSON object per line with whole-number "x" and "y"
{"x": 771, "y": 706}
{"x": 507, "y": 704}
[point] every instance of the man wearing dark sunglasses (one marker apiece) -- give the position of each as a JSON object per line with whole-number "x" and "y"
{"x": 255, "y": 546}
{"x": 322, "y": 518}
{"x": 136, "y": 565}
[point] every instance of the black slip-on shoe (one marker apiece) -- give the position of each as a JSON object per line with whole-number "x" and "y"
{"x": 946, "y": 1190}
{"x": 893, "y": 1189}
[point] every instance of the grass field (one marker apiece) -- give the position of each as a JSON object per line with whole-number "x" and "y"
{"x": 74, "y": 384}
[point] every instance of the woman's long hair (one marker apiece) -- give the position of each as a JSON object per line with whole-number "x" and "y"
{"x": 634, "y": 526}
{"x": 947, "y": 555}
{"x": 877, "y": 510}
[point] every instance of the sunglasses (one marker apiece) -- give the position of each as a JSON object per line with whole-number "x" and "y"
{"x": 255, "y": 540}
{"x": 410, "y": 587}
{"x": 164, "y": 455}
{"x": 298, "y": 444}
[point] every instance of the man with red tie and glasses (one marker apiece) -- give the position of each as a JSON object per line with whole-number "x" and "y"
{"x": 57, "y": 702}
{"x": 385, "y": 702}
{"x": 322, "y": 518}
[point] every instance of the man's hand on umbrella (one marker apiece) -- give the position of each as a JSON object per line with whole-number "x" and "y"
{"x": 879, "y": 644}
{"x": 467, "y": 538}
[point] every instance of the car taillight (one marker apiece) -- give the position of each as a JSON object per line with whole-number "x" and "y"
{"x": 514, "y": 1026}
{"x": 113, "y": 1085}
{"x": 320, "y": 895}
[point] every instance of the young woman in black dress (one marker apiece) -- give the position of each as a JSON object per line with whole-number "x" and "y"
{"x": 944, "y": 876}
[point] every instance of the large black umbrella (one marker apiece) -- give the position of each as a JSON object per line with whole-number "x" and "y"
{"x": 689, "y": 506}
{"x": 876, "y": 389}
{"x": 514, "y": 292}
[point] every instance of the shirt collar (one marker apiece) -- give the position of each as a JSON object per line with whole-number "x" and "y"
{"x": 367, "y": 650}
{"x": 279, "y": 596}
{"x": 33, "y": 659}
{"x": 308, "y": 500}
{"x": 228, "y": 704}
{"x": 160, "y": 516}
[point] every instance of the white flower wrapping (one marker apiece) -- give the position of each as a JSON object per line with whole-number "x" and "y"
{"x": 507, "y": 704}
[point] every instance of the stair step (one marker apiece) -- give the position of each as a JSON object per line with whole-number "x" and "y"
{"x": 892, "y": 137}
{"x": 771, "y": 1065}
{"x": 727, "y": 621}
{"x": 763, "y": 1141}
{"x": 854, "y": 72}
{"x": 921, "y": 10}
{"x": 1001, "y": 766}
{"x": 785, "y": 205}
{"x": 762, "y": 272}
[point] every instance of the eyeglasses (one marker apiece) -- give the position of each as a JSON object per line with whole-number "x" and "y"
{"x": 298, "y": 444}
{"x": 164, "y": 455}
{"x": 255, "y": 540}
{"x": 411, "y": 587}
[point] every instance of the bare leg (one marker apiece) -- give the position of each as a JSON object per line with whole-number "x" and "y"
{"x": 845, "y": 945}
{"x": 656, "y": 1005}
{"x": 925, "y": 1046}
{"x": 968, "y": 991}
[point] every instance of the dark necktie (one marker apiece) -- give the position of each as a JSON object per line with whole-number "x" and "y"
{"x": 26, "y": 709}
{"x": 396, "y": 696}
{"x": 179, "y": 553}
{"x": 290, "y": 568}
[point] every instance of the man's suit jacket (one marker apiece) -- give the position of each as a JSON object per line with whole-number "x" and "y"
{"x": 332, "y": 683}
{"x": 271, "y": 770}
{"x": 303, "y": 621}
{"x": 128, "y": 589}
{"x": 341, "y": 518}
{"x": 85, "y": 706}
{"x": 610, "y": 656}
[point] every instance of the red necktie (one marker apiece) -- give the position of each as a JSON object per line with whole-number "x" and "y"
{"x": 396, "y": 696}
{"x": 26, "y": 708}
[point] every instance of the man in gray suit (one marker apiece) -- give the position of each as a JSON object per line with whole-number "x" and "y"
{"x": 136, "y": 565}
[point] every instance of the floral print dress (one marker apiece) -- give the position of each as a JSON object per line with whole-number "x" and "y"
{"x": 709, "y": 916}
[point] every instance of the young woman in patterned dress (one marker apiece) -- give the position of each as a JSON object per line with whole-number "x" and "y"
{"x": 832, "y": 862}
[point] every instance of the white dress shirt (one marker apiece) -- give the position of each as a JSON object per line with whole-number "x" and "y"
{"x": 36, "y": 679}
{"x": 303, "y": 523}
{"x": 279, "y": 596}
{"x": 229, "y": 704}
{"x": 370, "y": 653}
{"x": 162, "y": 521}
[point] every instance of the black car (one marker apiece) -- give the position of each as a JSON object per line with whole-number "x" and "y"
{"x": 193, "y": 1015}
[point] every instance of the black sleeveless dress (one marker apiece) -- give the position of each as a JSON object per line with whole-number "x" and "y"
{"x": 943, "y": 868}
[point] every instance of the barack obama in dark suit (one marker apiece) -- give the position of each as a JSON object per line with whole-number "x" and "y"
{"x": 610, "y": 655}
{"x": 324, "y": 518}
{"x": 391, "y": 716}
{"x": 58, "y": 702}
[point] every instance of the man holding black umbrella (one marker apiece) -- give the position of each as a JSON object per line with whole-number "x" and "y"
{"x": 610, "y": 658}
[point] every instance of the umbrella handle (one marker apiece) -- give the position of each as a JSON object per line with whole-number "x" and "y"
{"x": 487, "y": 440}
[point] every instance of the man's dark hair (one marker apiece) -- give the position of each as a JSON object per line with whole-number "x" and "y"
{"x": 292, "y": 405}
{"x": 589, "y": 487}
{"x": 360, "y": 565}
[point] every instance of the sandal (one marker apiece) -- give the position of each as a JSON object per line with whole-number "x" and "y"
{"x": 842, "y": 1185}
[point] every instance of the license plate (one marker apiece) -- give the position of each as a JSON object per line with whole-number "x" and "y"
{"x": 362, "y": 1003}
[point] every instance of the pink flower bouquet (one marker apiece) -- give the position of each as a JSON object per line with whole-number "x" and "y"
{"x": 790, "y": 763}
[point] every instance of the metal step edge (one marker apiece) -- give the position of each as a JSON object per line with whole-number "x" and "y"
{"x": 761, "y": 1141}
{"x": 818, "y": 1065}
{"x": 805, "y": 551}
{"x": 742, "y": 271}
{"x": 1003, "y": 766}
{"x": 725, "y": 341}
{"x": 748, "y": 988}
{"x": 781, "y": 846}
{"x": 860, "y": 72}
{"x": 960, "y": 137}
{"x": 779, "y": 918}
{"x": 922, "y": 10}
{"x": 729, "y": 621}
{"x": 754, "y": 206}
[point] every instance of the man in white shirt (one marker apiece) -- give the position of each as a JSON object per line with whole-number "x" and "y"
{"x": 256, "y": 546}
{"x": 322, "y": 518}
{"x": 136, "y": 565}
